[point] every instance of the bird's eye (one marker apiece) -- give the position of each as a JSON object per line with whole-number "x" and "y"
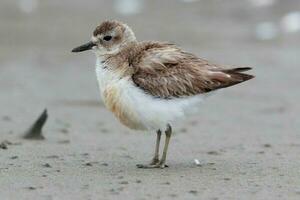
{"x": 107, "y": 38}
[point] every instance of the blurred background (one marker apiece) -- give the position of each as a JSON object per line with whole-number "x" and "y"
{"x": 38, "y": 70}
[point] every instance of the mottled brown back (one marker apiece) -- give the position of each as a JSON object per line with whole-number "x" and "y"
{"x": 165, "y": 71}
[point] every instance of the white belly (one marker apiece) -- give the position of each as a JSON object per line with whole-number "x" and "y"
{"x": 136, "y": 109}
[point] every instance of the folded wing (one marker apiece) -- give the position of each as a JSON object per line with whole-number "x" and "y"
{"x": 165, "y": 71}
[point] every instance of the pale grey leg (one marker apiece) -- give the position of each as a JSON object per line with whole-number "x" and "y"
{"x": 168, "y": 132}
{"x": 155, "y": 163}
{"x": 155, "y": 159}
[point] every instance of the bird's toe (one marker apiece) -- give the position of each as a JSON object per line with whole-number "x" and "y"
{"x": 151, "y": 166}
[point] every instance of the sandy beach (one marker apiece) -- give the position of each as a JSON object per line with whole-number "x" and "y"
{"x": 246, "y": 138}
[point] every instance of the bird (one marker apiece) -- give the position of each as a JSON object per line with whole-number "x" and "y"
{"x": 151, "y": 85}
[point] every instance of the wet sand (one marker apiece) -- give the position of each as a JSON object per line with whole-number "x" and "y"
{"x": 246, "y": 138}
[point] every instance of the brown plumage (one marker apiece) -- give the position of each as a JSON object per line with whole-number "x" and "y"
{"x": 165, "y": 71}
{"x": 127, "y": 69}
{"x": 107, "y": 26}
{"x": 162, "y": 69}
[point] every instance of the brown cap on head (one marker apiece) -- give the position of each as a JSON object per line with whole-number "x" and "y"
{"x": 108, "y": 26}
{"x": 108, "y": 37}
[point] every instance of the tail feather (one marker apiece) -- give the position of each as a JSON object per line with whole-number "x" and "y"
{"x": 238, "y": 69}
{"x": 236, "y": 76}
{"x": 240, "y": 77}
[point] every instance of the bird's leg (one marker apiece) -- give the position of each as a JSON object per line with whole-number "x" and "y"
{"x": 168, "y": 132}
{"x": 155, "y": 162}
{"x": 155, "y": 159}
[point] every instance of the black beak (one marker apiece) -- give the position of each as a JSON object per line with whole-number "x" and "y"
{"x": 84, "y": 47}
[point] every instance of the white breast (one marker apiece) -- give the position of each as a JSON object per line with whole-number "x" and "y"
{"x": 136, "y": 109}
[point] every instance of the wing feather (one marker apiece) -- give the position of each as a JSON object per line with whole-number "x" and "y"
{"x": 165, "y": 71}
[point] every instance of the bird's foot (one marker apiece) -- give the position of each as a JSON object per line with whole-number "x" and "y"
{"x": 152, "y": 165}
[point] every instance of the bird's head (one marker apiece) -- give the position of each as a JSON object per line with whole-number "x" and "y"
{"x": 108, "y": 38}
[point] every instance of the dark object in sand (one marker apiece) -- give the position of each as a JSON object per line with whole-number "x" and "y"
{"x": 35, "y": 131}
{"x": 3, "y": 145}
{"x": 47, "y": 165}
